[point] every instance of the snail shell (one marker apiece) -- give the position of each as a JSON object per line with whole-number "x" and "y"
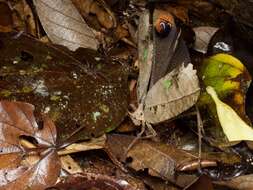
{"x": 163, "y": 24}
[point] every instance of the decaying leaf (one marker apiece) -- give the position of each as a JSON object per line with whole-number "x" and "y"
{"x": 172, "y": 94}
{"x": 167, "y": 84}
{"x": 203, "y": 36}
{"x": 164, "y": 160}
{"x": 105, "y": 17}
{"x": 180, "y": 12}
{"x": 93, "y": 181}
{"x": 16, "y": 172}
{"x": 244, "y": 182}
{"x": 69, "y": 165}
{"x": 161, "y": 160}
{"x": 230, "y": 80}
{"x": 233, "y": 126}
{"x": 93, "y": 162}
{"x": 93, "y": 144}
{"x": 64, "y": 25}
{"x": 6, "y": 21}
{"x": 80, "y": 101}
{"x": 158, "y": 184}
{"x": 203, "y": 182}
{"x": 145, "y": 48}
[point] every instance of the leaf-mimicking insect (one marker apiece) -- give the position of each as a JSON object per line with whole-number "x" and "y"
{"x": 163, "y": 25}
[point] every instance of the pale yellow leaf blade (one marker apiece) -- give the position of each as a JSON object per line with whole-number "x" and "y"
{"x": 233, "y": 126}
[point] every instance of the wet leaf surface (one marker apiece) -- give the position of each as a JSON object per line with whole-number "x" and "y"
{"x": 92, "y": 181}
{"x": 60, "y": 85}
{"x": 85, "y": 93}
{"x": 16, "y": 172}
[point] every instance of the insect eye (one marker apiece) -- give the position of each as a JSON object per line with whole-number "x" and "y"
{"x": 163, "y": 28}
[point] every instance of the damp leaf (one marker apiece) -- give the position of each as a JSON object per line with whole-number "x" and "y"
{"x": 83, "y": 102}
{"x": 230, "y": 80}
{"x": 93, "y": 181}
{"x": 233, "y": 126}
{"x": 22, "y": 168}
{"x": 64, "y": 25}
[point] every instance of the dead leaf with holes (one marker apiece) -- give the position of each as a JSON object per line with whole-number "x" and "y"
{"x": 64, "y": 25}
{"x": 160, "y": 159}
{"x": 23, "y": 168}
{"x": 168, "y": 83}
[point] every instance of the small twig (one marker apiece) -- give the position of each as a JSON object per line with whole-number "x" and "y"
{"x": 129, "y": 42}
{"x": 200, "y": 128}
{"x": 138, "y": 137}
{"x": 115, "y": 160}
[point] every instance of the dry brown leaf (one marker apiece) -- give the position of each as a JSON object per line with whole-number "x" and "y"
{"x": 64, "y": 25}
{"x": 160, "y": 159}
{"x": 203, "y": 182}
{"x": 23, "y": 18}
{"x": 17, "y": 120}
{"x": 6, "y": 21}
{"x": 93, "y": 144}
{"x": 105, "y": 17}
{"x": 70, "y": 165}
{"x": 203, "y": 36}
{"x": 181, "y": 12}
{"x": 172, "y": 95}
{"x": 242, "y": 182}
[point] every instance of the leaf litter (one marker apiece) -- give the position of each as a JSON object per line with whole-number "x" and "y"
{"x": 85, "y": 93}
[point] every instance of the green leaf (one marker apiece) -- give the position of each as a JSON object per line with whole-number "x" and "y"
{"x": 230, "y": 80}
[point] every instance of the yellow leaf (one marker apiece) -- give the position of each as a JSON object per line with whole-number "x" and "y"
{"x": 229, "y": 59}
{"x": 233, "y": 126}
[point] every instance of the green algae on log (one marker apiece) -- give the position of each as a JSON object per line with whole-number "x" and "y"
{"x": 58, "y": 83}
